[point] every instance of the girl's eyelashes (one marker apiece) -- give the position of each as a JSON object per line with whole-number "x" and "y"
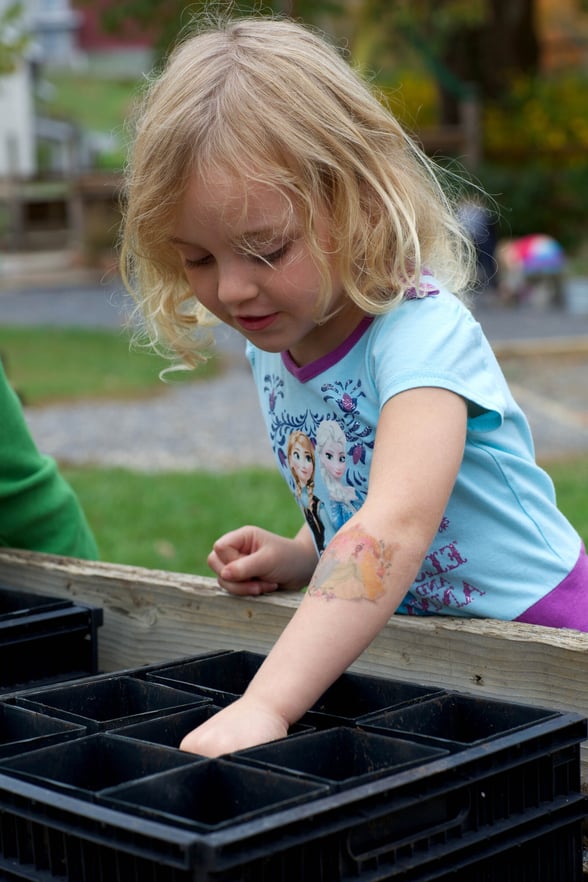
{"x": 272, "y": 256}
{"x": 200, "y": 261}
{"x": 248, "y": 252}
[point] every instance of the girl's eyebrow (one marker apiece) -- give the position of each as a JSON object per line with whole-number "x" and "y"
{"x": 249, "y": 236}
{"x": 175, "y": 240}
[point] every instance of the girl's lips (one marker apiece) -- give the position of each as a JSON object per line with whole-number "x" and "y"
{"x": 256, "y": 322}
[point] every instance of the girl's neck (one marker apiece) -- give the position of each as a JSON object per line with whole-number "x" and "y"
{"x": 327, "y": 337}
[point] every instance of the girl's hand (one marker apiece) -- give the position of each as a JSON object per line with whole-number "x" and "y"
{"x": 254, "y": 561}
{"x": 242, "y": 724}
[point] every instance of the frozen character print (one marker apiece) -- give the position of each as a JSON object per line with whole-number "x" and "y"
{"x": 301, "y": 461}
{"x": 331, "y": 448}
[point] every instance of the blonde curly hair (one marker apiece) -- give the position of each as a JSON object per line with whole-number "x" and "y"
{"x": 275, "y": 98}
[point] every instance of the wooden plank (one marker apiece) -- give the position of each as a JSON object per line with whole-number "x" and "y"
{"x": 152, "y": 616}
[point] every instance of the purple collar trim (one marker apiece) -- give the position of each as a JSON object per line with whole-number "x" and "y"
{"x": 308, "y": 371}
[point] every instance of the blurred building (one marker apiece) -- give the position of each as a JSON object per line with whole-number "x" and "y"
{"x": 124, "y": 53}
{"x": 54, "y": 27}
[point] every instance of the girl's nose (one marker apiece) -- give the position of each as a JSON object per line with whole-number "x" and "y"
{"x": 235, "y": 285}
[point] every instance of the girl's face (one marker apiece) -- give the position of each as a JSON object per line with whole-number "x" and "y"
{"x": 333, "y": 459}
{"x": 252, "y": 267}
{"x": 301, "y": 463}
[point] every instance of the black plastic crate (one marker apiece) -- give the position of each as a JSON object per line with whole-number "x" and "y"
{"x": 47, "y": 643}
{"x": 15, "y": 603}
{"x": 380, "y": 831}
{"x": 105, "y": 702}
{"x": 22, "y": 730}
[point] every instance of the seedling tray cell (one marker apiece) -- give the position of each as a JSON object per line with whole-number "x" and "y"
{"x": 102, "y": 703}
{"x": 455, "y": 721}
{"x": 92, "y": 763}
{"x": 355, "y": 695}
{"x": 169, "y": 730}
{"x": 22, "y": 730}
{"x": 340, "y": 757}
{"x": 221, "y": 677}
{"x": 211, "y": 794}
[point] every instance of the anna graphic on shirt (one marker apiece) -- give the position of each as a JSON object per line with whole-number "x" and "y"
{"x": 331, "y": 448}
{"x": 301, "y": 461}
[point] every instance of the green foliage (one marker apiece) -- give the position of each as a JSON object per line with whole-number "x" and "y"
{"x": 76, "y": 363}
{"x": 169, "y": 521}
{"x": 543, "y": 115}
{"x": 13, "y": 37}
{"x": 571, "y": 480}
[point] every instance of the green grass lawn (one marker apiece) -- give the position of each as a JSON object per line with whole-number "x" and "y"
{"x": 47, "y": 365}
{"x": 169, "y": 521}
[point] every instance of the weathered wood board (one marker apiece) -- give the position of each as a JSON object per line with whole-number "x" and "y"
{"x": 152, "y": 616}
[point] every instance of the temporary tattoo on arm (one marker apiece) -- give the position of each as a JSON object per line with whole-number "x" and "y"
{"x": 353, "y": 567}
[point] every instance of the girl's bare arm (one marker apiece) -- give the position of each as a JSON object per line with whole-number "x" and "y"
{"x": 363, "y": 574}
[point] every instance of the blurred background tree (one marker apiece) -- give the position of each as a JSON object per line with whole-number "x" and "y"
{"x": 522, "y": 63}
{"x": 13, "y": 38}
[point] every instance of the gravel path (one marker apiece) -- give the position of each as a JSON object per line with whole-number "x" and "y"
{"x": 216, "y": 425}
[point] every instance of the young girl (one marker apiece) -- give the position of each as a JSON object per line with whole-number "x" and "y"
{"x": 269, "y": 188}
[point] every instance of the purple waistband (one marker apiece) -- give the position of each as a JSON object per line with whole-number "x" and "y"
{"x": 566, "y": 606}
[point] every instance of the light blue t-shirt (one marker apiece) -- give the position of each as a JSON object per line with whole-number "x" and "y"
{"x": 502, "y": 544}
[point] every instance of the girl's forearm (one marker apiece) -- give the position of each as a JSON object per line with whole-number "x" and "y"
{"x": 356, "y": 587}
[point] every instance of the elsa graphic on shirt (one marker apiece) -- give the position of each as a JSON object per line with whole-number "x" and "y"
{"x": 301, "y": 461}
{"x": 331, "y": 445}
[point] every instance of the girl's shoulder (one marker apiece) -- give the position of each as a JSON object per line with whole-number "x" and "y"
{"x": 430, "y": 309}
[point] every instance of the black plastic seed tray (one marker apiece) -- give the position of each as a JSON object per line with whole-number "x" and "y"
{"x": 90, "y": 764}
{"x": 22, "y": 730}
{"x": 106, "y": 702}
{"x": 169, "y": 730}
{"x": 490, "y": 795}
{"x": 454, "y": 721}
{"x": 340, "y": 757}
{"x": 211, "y": 794}
{"x": 222, "y": 677}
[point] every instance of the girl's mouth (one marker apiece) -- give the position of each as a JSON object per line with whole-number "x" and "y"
{"x": 255, "y": 322}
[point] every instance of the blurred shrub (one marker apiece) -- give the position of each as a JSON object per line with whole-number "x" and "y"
{"x": 536, "y": 149}
{"x": 540, "y": 198}
{"x": 545, "y": 116}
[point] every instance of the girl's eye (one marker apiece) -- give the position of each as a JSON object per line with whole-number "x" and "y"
{"x": 273, "y": 256}
{"x": 200, "y": 261}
